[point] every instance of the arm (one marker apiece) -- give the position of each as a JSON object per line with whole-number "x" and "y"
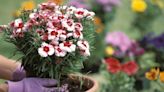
{"x": 7, "y": 68}
{"x": 3, "y": 88}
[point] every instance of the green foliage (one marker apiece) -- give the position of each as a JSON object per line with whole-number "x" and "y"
{"x": 143, "y": 21}
{"x": 119, "y": 82}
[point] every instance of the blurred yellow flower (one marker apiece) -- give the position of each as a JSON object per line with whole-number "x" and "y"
{"x": 17, "y": 13}
{"x": 138, "y": 5}
{"x": 97, "y": 20}
{"x": 152, "y": 74}
{"x": 99, "y": 25}
{"x": 161, "y": 76}
{"x": 109, "y": 50}
{"x": 99, "y": 29}
{"x": 28, "y": 5}
{"x": 58, "y": 2}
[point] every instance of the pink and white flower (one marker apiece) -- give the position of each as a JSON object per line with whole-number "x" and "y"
{"x": 90, "y": 15}
{"x": 45, "y": 14}
{"x": 54, "y": 18}
{"x": 42, "y": 6}
{"x": 27, "y": 26}
{"x": 82, "y": 44}
{"x": 68, "y": 24}
{"x": 40, "y": 31}
{"x": 51, "y": 24}
{"x": 44, "y": 37}
{"x": 54, "y": 43}
{"x": 46, "y": 50}
{"x": 48, "y": 5}
{"x": 17, "y": 33}
{"x": 18, "y": 23}
{"x": 84, "y": 47}
{"x": 80, "y": 13}
{"x": 63, "y": 35}
{"x": 69, "y": 35}
{"x": 71, "y": 10}
{"x": 53, "y": 34}
{"x": 77, "y": 34}
{"x": 85, "y": 52}
{"x": 62, "y": 17}
{"x": 57, "y": 12}
{"x": 32, "y": 22}
{"x": 78, "y": 26}
{"x": 67, "y": 46}
{"x": 33, "y": 16}
{"x": 59, "y": 52}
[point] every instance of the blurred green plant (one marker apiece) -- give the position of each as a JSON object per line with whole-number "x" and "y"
{"x": 119, "y": 82}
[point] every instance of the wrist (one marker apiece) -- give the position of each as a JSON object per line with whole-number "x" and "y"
{"x": 15, "y": 86}
{"x": 3, "y": 88}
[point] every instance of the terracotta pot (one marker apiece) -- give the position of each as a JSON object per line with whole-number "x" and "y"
{"x": 88, "y": 82}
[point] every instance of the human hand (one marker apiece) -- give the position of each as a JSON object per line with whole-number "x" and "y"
{"x": 11, "y": 70}
{"x": 35, "y": 85}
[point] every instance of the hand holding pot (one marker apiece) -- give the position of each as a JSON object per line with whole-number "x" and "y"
{"x": 32, "y": 85}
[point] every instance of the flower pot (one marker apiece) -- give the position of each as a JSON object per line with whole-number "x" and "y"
{"x": 88, "y": 82}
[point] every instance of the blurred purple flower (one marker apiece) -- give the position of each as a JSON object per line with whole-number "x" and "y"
{"x": 79, "y": 4}
{"x": 118, "y": 39}
{"x": 107, "y": 8}
{"x": 103, "y": 2}
{"x": 115, "y": 2}
{"x": 125, "y": 45}
{"x": 158, "y": 42}
{"x": 135, "y": 49}
{"x": 108, "y": 2}
{"x": 149, "y": 40}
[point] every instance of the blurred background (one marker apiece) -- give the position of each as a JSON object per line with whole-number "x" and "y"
{"x": 129, "y": 21}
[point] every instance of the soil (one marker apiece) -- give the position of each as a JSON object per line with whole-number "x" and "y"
{"x": 74, "y": 85}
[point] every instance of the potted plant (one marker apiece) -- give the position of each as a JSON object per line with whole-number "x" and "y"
{"x": 54, "y": 41}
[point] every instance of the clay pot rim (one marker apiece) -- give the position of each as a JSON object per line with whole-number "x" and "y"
{"x": 95, "y": 85}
